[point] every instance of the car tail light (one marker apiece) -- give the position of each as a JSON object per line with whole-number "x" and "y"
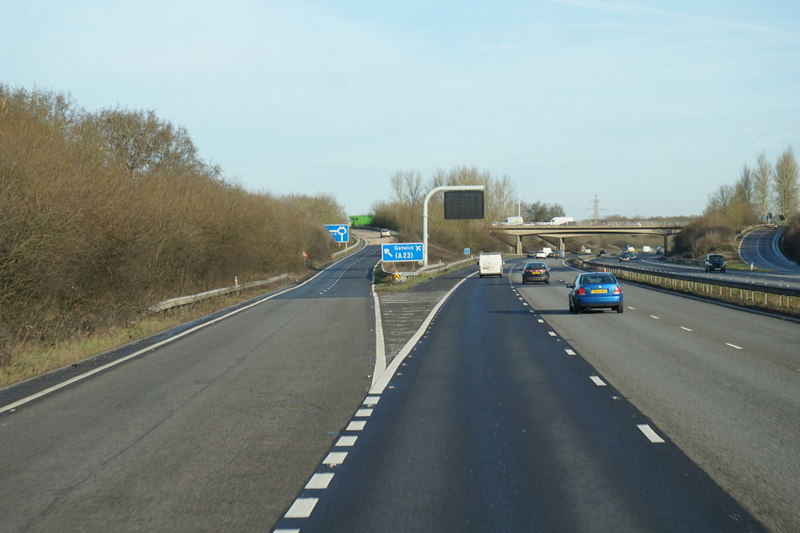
{"x": 581, "y": 291}
{"x": 617, "y": 290}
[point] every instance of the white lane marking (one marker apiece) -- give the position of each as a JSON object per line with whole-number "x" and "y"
{"x": 569, "y": 352}
{"x": 319, "y": 481}
{"x": 654, "y": 317}
{"x": 734, "y": 346}
{"x": 301, "y": 508}
{"x": 335, "y": 458}
{"x": 388, "y": 374}
{"x": 597, "y": 381}
{"x": 356, "y": 425}
{"x": 380, "y": 349}
{"x": 540, "y": 321}
{"x": 686, "y": 329}
{"x": 285, "y": 531}
{"x": 552, "y": 333}
{"x": 364, "y": 412}
{"x": 371, "y": 400}
{"x": 346, "y": 441}
{"x": 45, "y": 392}
{"x": 650, "y": 434}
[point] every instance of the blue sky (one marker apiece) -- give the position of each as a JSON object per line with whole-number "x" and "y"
{"x": 651, "y": 106}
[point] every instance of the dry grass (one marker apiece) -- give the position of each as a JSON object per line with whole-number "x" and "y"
{"x": 105, "y": 214}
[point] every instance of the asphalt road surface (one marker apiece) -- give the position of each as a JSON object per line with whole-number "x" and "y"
{"x": 496, "y": 422}
{"x": 505, "y": 414}
{"x": 215, "y": 431}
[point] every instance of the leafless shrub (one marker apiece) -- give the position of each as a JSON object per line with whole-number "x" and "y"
{"x": 102, "y": 215}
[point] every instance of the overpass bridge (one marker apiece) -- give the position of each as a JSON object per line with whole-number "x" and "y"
{"x": 561, "y": 232}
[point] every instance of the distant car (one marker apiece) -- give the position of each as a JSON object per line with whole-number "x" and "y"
{"x": 715, "y": 262}
{"x": 541, "y": 254}
{"x": 625, "y": 256}
{"x": 386, "y": 233}
{"x": 592, "y": 290}
{"x": 530, "y": 255}
{"x": 602, "y": 253}
{"x": 535, "y": 272}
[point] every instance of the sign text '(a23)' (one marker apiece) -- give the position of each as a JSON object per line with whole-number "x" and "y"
{"x": 408, "y": 251}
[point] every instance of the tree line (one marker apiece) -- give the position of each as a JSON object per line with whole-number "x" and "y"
{"x": 105, "y": 213}
{"x": 764, "y": 193}
{"x": 403, "y": 210}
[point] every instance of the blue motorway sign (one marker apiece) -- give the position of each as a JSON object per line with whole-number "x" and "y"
{"x": 339, "y": 232}
{"x": 407, "y": 251}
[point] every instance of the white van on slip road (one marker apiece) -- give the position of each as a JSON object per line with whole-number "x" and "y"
{"x": 490, "y": 264}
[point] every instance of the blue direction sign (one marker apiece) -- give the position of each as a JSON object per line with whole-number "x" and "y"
{"x": 339, "y": 232}
{"x": 407, "y": 251}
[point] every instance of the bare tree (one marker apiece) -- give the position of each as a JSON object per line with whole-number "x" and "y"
{"x": 538, "y": 211}
{"x": 407, "y": 188}
{"x": 720, "y": 200}
{"x": 743, "y": 191}
{"x": 143, "y": 144}
{"x": 786, "y": 184}
{"x": 761, "y": 182}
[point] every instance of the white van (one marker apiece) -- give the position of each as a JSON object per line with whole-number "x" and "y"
{"x": 490, "y": 264}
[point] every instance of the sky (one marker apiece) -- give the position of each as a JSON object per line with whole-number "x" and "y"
{"x": 636, "y": 108}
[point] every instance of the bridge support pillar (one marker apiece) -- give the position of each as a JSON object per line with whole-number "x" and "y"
{"x": 518, "y": 246}
{"x": 561, "y": 243}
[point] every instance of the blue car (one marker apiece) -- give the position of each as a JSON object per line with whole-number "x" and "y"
{"x": 592, "y": 290}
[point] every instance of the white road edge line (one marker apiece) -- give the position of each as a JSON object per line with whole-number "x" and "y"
{"x": 301, "y": 508}
{"x": 319, "y": 481}
{"x": 54, "y": 388}
{"x": 734, "y": 346}
{"x": 379, "y": 385}
{"x": 650, "y": 434}
{"x": 380, "y": 350}
{"x": 686, "y": 329}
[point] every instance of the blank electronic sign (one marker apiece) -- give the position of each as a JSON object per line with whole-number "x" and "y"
{"x": 463, "y": 205}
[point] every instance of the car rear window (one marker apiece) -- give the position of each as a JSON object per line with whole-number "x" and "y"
{"x": 599, "y": 278}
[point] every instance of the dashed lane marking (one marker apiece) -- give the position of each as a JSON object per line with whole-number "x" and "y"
{"x": 686, "y": 329}
{"x": 335, "y": 458}
{"x": 319, "y": 481}
{"x": 734, "y": 346}
{"x": 346, "y": 441}
{"x": 650, "y": 434}
{"x": 570, "y": 351}
{"x": 356, "y": 425}
{"x": 597, "y": 381}
{"x": 301, "y": 508}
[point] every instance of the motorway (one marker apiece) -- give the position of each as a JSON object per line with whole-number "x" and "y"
{"x": 507, "y": 413}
